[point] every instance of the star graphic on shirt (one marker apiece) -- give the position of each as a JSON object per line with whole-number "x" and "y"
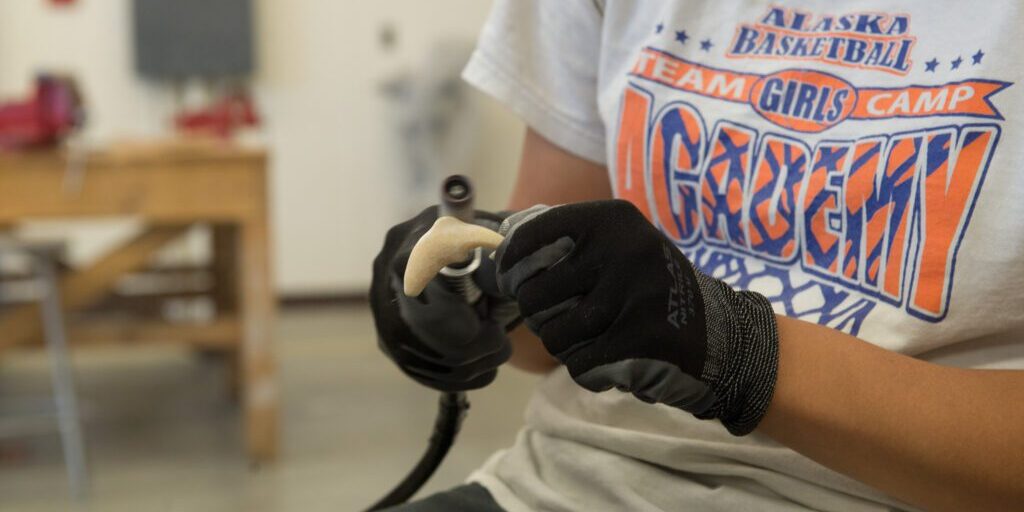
{"x": 681, "y": 36}
{"x": 658, "y": 28}
{"x": 706, "y": 45}
{"x": 956, "y": 63}
{"x": 976, "y": 58}
{"x": 930, "y": 65}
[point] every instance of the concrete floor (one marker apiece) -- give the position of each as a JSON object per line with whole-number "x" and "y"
{"x": 163, "y": 434}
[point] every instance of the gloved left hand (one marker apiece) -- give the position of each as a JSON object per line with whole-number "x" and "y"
{"x": 437, "y": 338}
{"x": 616, "y": 302}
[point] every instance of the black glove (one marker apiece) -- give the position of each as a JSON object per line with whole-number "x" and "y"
{"x": 620, "y": 306}
{"x": 437, "y": 338}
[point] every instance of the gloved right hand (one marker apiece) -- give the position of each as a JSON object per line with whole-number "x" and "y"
{"x": 614, "y": 300}
{"x": 437, "y": 338}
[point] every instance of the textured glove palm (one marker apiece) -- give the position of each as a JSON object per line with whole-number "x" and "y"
{"x": 437, "y": 338}
{"x": 620, "y": 306}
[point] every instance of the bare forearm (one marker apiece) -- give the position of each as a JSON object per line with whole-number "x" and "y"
{"x": 528, "y": 353}
{"x": 550, "y": 175}
{"x": 938, "y": 437}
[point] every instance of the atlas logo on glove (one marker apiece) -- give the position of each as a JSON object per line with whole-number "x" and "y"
{"x": 680, "y": 293}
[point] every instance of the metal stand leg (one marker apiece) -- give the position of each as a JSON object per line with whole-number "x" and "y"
{"x": 63, "y": 384}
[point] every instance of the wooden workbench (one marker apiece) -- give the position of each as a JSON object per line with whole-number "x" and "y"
{"x": 169, "y": 187}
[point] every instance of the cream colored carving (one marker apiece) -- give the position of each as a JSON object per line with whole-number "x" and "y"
{"x": 448, "y": 241}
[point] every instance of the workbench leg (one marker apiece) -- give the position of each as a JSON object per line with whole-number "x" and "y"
{"x": 259, "y": 369}
{"x": 225, "y": 269}
{"x": 68, "y": 421}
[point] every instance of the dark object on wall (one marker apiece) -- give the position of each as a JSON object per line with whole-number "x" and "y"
{"x": 177, "y": 39}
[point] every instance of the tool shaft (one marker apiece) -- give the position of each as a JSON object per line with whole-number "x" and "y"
{"x": 457, "y": 198}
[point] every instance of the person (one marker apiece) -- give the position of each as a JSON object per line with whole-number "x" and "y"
{"x": 808, "y": 290}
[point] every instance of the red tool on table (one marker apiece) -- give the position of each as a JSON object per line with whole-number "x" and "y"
{"x": 221, "y": 118}
{"x": 53, "y": 112}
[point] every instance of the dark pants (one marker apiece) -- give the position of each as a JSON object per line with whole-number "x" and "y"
{"x": 468, "y": 498}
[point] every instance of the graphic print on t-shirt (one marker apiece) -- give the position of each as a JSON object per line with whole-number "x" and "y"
{"x": 874, "y": 218}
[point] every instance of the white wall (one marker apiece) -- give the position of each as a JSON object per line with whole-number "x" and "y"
{"x": 335, "y": 171}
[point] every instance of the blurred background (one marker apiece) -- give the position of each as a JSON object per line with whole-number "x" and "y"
{"x": 191, "y": 196}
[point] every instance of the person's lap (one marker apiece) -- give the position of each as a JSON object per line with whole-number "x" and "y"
{"x": 469, "y": 497}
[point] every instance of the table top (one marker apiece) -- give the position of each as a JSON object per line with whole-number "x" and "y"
{"x": 137, "y": 153}
{"x": 178, "y": 180}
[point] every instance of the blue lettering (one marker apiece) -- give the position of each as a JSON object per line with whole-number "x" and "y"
{"x": 855, "y": 49}
{"x": 816, "y": 49}
{"x": 769, "y": 100}
{"x": 787, "y": 101}
{"x": 805, "y": 101}
{"x": 837, "y": 105}
{"x": 784, "y": 45}
{"x": 902, "y": 59}
{"x": 800, "y": 48}
{"x": 899, "y": 25}
{"x": 798, "y": 21}
{"x": 868, "y": 24}
{"x": 835, "y": 48}
{"x": 776, "y": 16}
{"x": 767, "y": 45}
{"x": 819, "y": 113}
{"x": 745, "y": 41}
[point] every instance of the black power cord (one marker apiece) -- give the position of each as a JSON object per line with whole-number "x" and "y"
{"x": 451, "y": 410}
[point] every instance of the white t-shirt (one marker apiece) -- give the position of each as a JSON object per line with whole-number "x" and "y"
{"x": 859, "y": 163}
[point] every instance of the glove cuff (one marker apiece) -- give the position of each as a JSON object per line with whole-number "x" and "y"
{"x": 743, "y": 354}
{"x": 757, "y": 343}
